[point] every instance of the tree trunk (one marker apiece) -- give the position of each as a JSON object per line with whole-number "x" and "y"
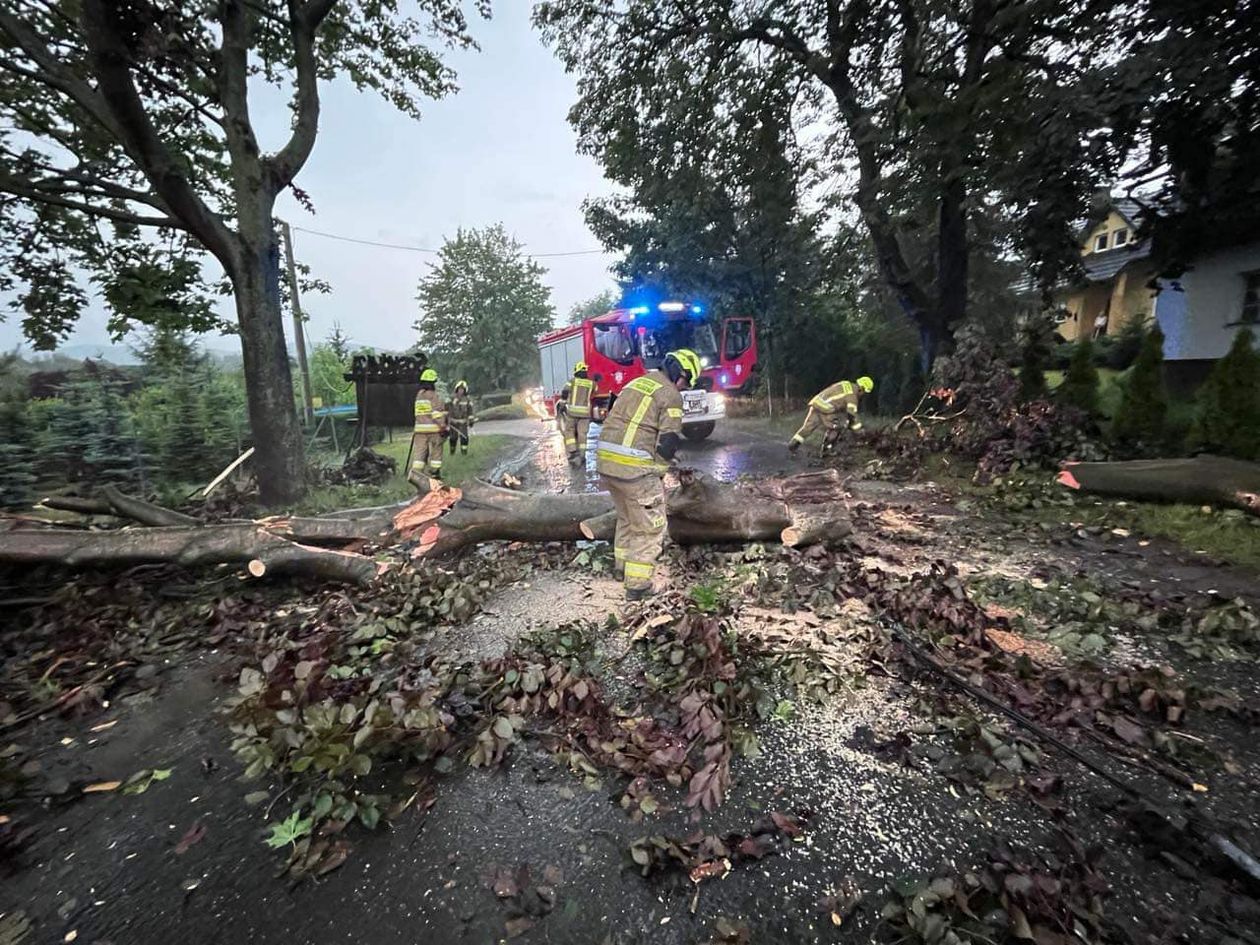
{"x": 245, "y": 544}
{"x": 1212, "y": 479}
{"x": 279, "y": 461}
{"x": 798, "y": 510}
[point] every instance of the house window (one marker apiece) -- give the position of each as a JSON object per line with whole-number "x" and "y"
{"x": 1251, "y": 299}
{"x": 1122, "y": 237}
{"x": 1100, "y": 242}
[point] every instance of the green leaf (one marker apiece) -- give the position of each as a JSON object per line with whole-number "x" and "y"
{"x": 290, "y": 830}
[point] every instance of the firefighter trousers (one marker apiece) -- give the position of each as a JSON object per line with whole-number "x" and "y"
{"x": 816, "y": 420}
{"x": 459, "y": 437}
{"x": 640, "y": 535}
{"x": 575, "y": 434}
{"x": 426, "y": 454}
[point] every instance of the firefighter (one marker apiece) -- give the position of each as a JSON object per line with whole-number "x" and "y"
{"x": 459, "y": 418}
{"x": 575, "y": 418}
{"x": 828, "y": 408}
{"x": 430, "y": 430}
{"x": 636, "y": 443}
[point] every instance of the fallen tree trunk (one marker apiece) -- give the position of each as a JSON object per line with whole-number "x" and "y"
{"x": 1214, "y": 480}
{"x": 798, "y": 511}
{"x": 246, "y": 544}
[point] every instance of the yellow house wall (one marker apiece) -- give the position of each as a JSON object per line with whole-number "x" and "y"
{"x": 1113, "y": 222}
{"x": 1125, "y": 297}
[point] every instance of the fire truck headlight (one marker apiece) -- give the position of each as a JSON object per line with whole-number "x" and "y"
{"x": 704, "y": 362}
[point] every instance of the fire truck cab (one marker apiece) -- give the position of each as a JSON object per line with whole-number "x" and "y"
{"x": 628, "y": 342}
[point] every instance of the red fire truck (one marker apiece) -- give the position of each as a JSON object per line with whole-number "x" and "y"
{"x": 628, "y": 342}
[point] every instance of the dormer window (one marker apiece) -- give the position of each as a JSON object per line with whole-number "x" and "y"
{"x": 1100, "y": 242}
{"x": 1121, "y": 237}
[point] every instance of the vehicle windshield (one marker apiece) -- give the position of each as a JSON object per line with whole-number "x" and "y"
{"x": 658, "y": 340}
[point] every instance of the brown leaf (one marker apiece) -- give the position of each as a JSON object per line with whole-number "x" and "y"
{"x": 194, "y": 835}
{"x": 102, "y": 786}
{"x": 333, "y": 858}
{"x": 1127, "y": 730}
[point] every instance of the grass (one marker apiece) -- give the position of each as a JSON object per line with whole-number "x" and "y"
{"x": 483, "y": 451}
{"x": 1229, "y": 535}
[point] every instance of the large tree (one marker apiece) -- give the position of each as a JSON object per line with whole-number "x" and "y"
{"x": 128, "y": 152}
{"x": 482, "y": 305}
{"x": 1185, "y": 101}
{"x": 949, "y": 102}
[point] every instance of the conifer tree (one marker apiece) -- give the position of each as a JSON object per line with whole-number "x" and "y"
{"x": 1140, "y": 421}
{"x": 1080, "y": 384}
{"x": 1228, "y": 416}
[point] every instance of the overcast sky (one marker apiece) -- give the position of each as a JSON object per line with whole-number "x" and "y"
{"x": 498, "y": 151}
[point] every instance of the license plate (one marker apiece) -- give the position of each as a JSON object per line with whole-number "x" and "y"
{"x": 695, "y": 406}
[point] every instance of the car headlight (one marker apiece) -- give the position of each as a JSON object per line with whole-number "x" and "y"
{"x": 718, "y": 401}
{"x": 704, "y": 362}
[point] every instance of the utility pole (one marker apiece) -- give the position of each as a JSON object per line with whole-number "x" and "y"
{"x": 299, "y": 332}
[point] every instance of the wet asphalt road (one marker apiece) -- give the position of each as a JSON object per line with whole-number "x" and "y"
{"x": 733, "y": 450}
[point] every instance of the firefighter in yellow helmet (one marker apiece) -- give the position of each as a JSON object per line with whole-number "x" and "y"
{"x": 430, "y": 431}
{"x": 636, "y": 443}
{"x": 837, "y": 403}
{"x": 575, "y": 415}
{"x": 459, "y": 417}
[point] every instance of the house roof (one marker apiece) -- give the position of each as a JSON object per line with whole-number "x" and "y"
{"x": 1099, "y": 267}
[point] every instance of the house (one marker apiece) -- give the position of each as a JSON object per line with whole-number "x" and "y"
{"x": 1199, "y": 312}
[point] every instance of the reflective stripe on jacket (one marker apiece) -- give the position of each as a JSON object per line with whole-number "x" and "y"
{"x": 578, "y": 401}
{"x": 430, "y": 416}
{"x": 647, "y": 407}
{"x": 842, "y": 393}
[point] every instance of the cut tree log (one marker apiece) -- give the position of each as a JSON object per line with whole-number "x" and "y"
{"x": 244, "y": 544}
{"x": 1213, "y": 480}
{"x": 798, "y": 510}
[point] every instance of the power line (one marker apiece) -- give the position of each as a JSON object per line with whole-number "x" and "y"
{"x": 421, "y": 249}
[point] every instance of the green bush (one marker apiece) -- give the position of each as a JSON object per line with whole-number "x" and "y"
{"x": 1080, "y": 385}
{"x": 1227, "y": 419}
{"x": 1140, "y": 420}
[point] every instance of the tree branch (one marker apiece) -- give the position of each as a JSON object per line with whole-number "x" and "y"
{"x": 53, "y": 73}
{"x": 136, "y": 133}
{"x": 9, "y": 185}
{"x": 234, "y": 90}
{"x": 304, "y": 22}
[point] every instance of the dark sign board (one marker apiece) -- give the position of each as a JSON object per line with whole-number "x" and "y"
{"x": 386, "y": 385}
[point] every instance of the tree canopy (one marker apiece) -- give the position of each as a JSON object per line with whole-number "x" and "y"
{"x": 482, "y": 305}
{"x": 128, "y": 153}
{"x": 917, "y": 111}
{"x": 597, "y": 304}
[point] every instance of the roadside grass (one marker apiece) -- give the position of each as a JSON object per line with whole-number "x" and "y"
{"x": 483, "y": 450}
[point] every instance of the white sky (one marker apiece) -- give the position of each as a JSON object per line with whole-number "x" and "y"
{"x": 500, "y": 150}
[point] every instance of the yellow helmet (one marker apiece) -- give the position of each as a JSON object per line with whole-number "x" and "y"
{"x": 580, "y": 366}
{"x": 463, "y": 384}
{"x": 689, "y": 361}
{"x": 428, "y": 374}
{"x": 865, "y": 383}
